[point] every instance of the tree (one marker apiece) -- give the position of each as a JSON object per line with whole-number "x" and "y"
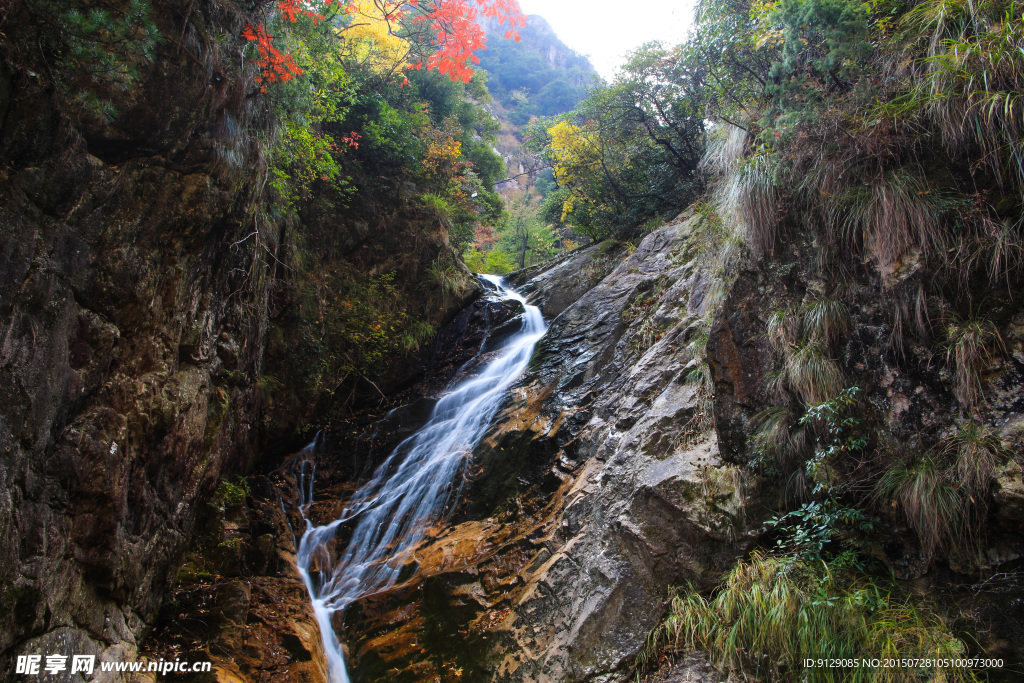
{"x": 456, "y": 36}
{"x": 630, "y": 150}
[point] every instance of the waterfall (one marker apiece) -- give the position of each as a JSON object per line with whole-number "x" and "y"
{"x": 408, "y": 491}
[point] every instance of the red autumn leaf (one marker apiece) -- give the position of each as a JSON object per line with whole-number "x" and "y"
{"x": 458, "y": 37}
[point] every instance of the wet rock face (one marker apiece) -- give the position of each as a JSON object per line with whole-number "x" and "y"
{"x": 555, "y": 286}
{"x": 239, "y": 602}
{"x": 352, "y": 448}
{"x": 126, "y": 366}
{"x": 598, "y": 486}
{"x": 134, "y": 313}
{"x": 650, "y": 504}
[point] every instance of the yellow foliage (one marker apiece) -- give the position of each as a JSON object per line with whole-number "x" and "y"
{"x": 443, "y": 150}
{"x": 370, "y": 39}
{"x": 575, "y": 152}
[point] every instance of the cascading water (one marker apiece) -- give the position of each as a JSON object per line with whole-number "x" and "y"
{"x": 407, "y": 492}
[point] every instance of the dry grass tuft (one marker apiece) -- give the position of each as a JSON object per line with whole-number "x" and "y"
{"x": 724, "y": 150}
{"x": 782, "y": 329}
{"x": 932, "y": 506}
{"x": 976, "y": 452}
{"x": 774, "y": 437}
{"x": 909, "y": 314}
{"x": 971, "y": 344}
{"x": 826, "y": 321}
{"x": 893, "y": 215}
{"x": 812, "y": 374}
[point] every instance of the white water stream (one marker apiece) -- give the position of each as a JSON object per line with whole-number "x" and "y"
{"x": 408, "y": 491}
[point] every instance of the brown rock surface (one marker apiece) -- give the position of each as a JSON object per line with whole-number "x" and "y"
{"x": 597, "y": 487}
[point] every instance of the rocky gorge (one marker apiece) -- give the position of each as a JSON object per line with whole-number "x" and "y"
{"x": 207, "y": 293}
{"x": 601, "y": 484}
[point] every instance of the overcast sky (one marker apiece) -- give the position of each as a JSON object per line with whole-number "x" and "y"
{"x": 606, "y": 30}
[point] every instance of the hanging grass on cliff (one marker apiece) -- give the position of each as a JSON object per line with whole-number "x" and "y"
{"x": 770, "y": 615}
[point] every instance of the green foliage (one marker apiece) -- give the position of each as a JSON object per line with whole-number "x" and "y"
{"x": 304, "y": 160}
{"x": 474, "y": 260}
{"x": 824, "y": 44}
{"x": 630, "y": 150}
{"x": 820, "y": 530}
{"x": 498, "y": 262}
{"x": 839, "y": 443}
{"x": 522, "y": 234}
{"x": 770, "y": 614}
{"x": 823, "y": 108}
{"x": 733, "y": 63}
{"x": 389, "y": 133}
{"x": 526, "y": 83}
{"x": 350, "y": 327}
{"x": 231, "y": 494}
{"x": 88, "y": 51}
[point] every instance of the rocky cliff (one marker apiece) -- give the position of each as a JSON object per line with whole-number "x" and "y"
{"x": 160, "y": 336}
{"x": 623, "y": 464}
{"x": 598, "y": 487}
{"x": 143, "y": 277}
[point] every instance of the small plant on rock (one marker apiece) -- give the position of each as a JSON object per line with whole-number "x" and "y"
{"x": 975, "y": 451}
{"x": 826, "y": 321}
{"x": 812, "y": 374}
{"x": 971, "y": 344}
{"x": 933, "y": 507}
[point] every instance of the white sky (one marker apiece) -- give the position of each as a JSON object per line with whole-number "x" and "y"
{"x": 605, "y": 30}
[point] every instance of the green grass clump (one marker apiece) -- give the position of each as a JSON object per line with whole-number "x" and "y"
{"x": 826, "y": 321}
{"x": 230, "y": 494}
{"x": 440, "y": 206}
{"x": 975, "y": 451}
{"x": 933, "y": 507}
{"x": 812, "y": 374}
{"x": 771, "y": 613}
{"x": 971, "y": 343}
{"x": 419, "y": 333}
{"x": 448, "y": 279}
